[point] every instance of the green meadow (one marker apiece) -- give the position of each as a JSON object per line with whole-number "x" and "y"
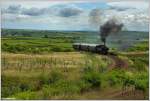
{"x": 44, "y": 65}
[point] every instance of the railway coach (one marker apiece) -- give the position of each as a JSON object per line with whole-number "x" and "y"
{"x": 94, "y": 48}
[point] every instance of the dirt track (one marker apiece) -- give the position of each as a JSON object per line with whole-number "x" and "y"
{"x": 123, "y": 63}
{"x": 117, "y": 62}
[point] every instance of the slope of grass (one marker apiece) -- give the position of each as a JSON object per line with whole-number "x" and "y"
{"x": 65, "y": 76}
{"x": 43, "y": 65}
{"x": 142, "y": 46}
{"x": 36, "y": 45}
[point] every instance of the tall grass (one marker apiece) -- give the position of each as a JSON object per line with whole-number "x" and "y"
{"x": 29, "y": 62}
{"x": 63, "y": 76}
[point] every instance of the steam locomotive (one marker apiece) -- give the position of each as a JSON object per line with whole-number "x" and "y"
{"x": 94, "y": 48}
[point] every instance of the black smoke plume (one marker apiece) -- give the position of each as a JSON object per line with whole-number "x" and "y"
{"x": 111, "y": 26}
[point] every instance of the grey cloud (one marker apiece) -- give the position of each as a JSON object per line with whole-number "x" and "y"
{"x": 120, "y": 8}
{"x": 95, "y": 17}
{"x": 68, "y": 12}
{"x": 33, "y": 11}
{"x": 17, "y": 9}
{"x": 12, "y": 9}
{"x": 58, "y": 11}
{"x": 95, "y": 12}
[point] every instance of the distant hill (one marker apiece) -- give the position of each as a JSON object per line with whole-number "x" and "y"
{"x": 49, "y": 33}
{"x": 38, "y": 33}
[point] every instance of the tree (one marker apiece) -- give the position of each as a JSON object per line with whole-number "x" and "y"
{"x": 45, "y": 36}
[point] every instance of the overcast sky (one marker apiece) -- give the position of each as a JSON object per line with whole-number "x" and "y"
{"x": 79, "y": 15}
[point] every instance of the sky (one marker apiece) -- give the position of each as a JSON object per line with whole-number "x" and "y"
{"x": 74, "y": 15}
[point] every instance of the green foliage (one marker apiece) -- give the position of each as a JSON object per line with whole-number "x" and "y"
{"x": 115, "y": 77}
{"x": 48, "y": 78}
{"x": 88, "y": 69}
{"x": 27, "y": 95}
{"x": 140, "y": 63}
{"x": 83, "y": 85}
{"x": 36, "y": 45}
{"x": 141, "y": 81}
{"x": 93, "y": 78}
{"x": 142, "y": 46}
{"x": 13, "y": 85}
{"x": 60, "y": 88}
{"x": 45, "y": 36}
{"x": 128, "y": 79}
{"x": 55, "y": 76}
{"x": 53, "y": 83}
{"x": 25, "y": 41}
{"x": 49, "y": 85}
{"x": 141, "y": 85}
{"x": 7, "y": 91}
{"x": 8, "y": 87}
{"x": 92, "y": 63}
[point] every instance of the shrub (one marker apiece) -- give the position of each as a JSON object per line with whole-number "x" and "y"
{"x": 9, "y": 86}
{"x": 142, "y": 85}
{"x": 52, "y": 77}
{"x": 48, "y": 91}
{"x": 103, "y": 67}
{"x": 93, "y": 78}
{"x": 113, "y": 77}
{"x": 55, "y": 76}
{"x": 56, "y": 49}
{"x": 60, "y": 88}
{"x": 9, "y": 90}
{"x": 140, "y": 66}
{"x": 69, "y": 87}
{"x": 113, "y": 80}
{"x": 13, "y": 85}
{"x": 88, "y": 69}
{"x": 36, "y": 51}
{"x": 141, "y": 81}
{"x": 45, "y": 36}
{"x": 128, "y": 79}
{"x": 28, "y": 95}
{"x": 84, "y": 86}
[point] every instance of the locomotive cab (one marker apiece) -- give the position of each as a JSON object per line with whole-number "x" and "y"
{"x": 101, "y": 49}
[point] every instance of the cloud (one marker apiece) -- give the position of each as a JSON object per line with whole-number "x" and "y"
{"x": 120, "y": 8}
{"x": 15, "y": 17}
{"x": 134, "y": 14}
{"x": 131, "y": 21}
{"x": 59, "y": 10}
{"x": 68, "y": 12}
{"x": 18, "y": 9}
{"x": 95, "y": 17}
{"x": 128, "y": 5}
{"x": 12, "y": 9}
{"x": 58, "y": 15}
{"x": 33, "y": 11}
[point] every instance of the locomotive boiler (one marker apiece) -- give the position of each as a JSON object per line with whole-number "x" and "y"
{"x": 94, "y": 48}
